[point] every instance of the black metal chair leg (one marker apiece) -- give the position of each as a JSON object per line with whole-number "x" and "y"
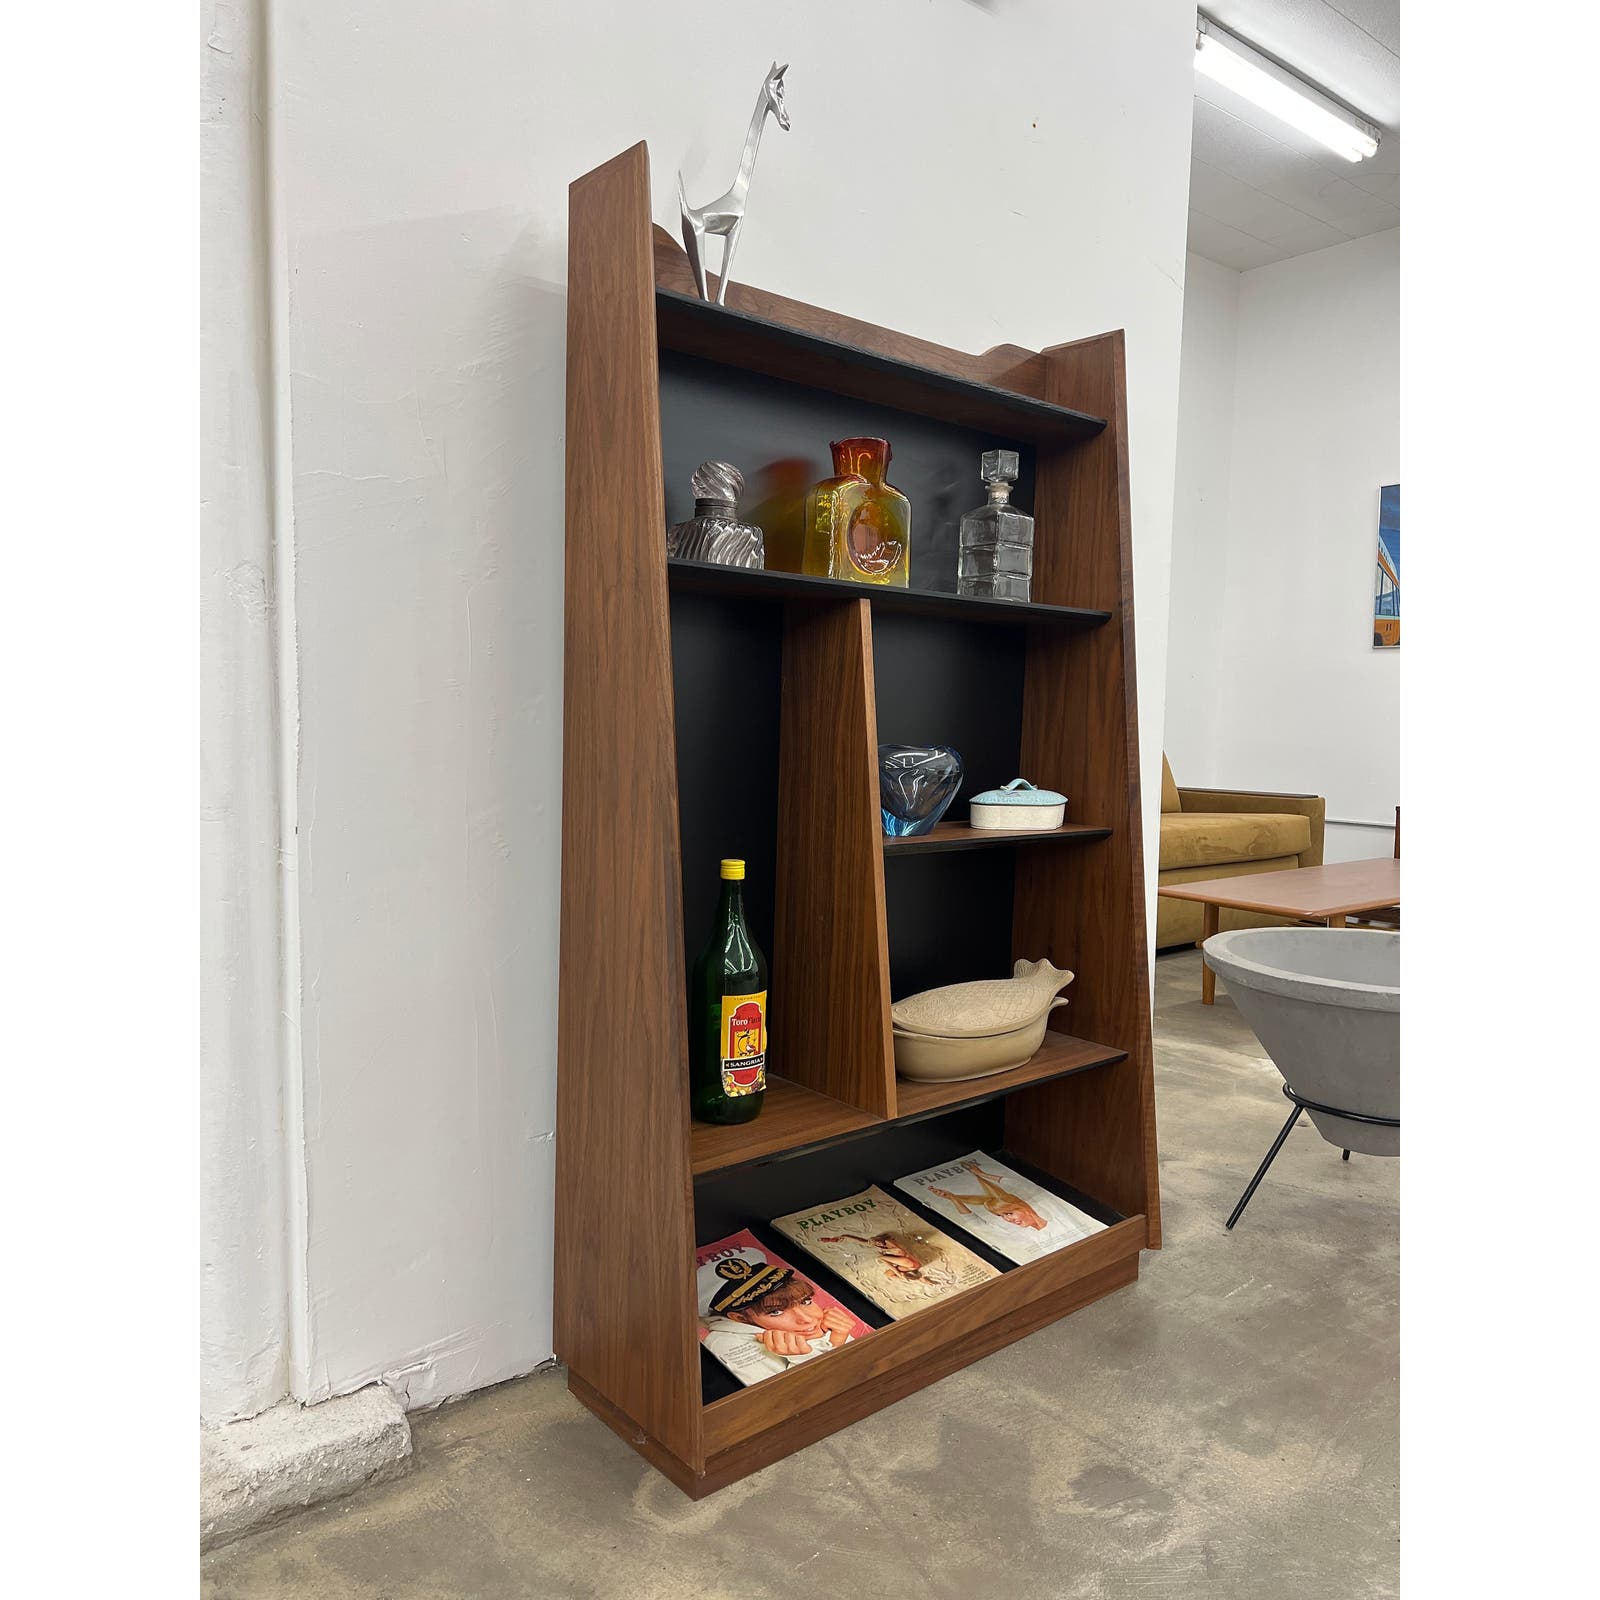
{"x": 1345, "y": 1156}
{"x": 1261, "y": 1171}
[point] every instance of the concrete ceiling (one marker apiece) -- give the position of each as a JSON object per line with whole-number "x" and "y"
{"x": 1258, "y": 190}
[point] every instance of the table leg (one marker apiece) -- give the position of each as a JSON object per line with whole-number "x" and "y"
{"x": 1208, "y": 979}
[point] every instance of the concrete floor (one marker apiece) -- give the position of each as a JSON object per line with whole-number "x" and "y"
{"x": 1227, "y": 1426}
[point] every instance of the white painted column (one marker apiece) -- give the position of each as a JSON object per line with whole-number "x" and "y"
{"x": 244, "y": 1298}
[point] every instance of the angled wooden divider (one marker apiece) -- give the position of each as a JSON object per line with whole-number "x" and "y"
{"x": 830, "y": 1016}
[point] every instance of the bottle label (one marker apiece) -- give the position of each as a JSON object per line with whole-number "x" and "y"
{"x": 744, "y": 1043}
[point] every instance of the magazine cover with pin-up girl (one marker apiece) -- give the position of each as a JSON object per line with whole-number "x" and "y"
{"x": 1001, "y": 1207}
{"x": 758, "y": 1316}
{"x": 877, "y": 1245}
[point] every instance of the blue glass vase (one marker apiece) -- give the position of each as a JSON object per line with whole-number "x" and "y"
{"x": 916, "y": 783}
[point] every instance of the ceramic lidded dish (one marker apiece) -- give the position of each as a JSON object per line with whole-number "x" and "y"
{"x": 932, "y": 1058}
{"x": 984, "y": 1008}
{"x": 1019, "y": 807}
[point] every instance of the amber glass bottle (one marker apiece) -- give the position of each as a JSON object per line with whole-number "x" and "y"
{"x": 728, "y": 1014}
{"x": 858, "y": 526}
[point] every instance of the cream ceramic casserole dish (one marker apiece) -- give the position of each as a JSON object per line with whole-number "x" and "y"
{"x": 970, "y": 1030}
{"x": 929, "y": 1058}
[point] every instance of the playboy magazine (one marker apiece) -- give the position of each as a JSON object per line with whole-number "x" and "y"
{"x": 877, "y": 1245}
{"x": 999, "y": 1206}
{"x": 758, "y": 1316}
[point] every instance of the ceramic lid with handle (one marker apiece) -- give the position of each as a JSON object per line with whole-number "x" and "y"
{"x": 1019, "y": 792}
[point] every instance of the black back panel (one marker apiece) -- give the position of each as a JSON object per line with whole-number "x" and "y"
{"x": 777, "y": 435}
{"x": 949, "y": 918}
{"x": 726, "y": 666}
{"x": 952, "y": 683}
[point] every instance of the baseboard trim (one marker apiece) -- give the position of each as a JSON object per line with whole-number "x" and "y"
{"x": 257, "y": 1472}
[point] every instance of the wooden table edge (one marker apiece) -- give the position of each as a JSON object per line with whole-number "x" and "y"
{"x": 1276, "y": 909}
{"x": 1213, "y": 894}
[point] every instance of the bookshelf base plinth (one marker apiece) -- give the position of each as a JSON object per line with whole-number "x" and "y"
{"x": 753, "y": 1429}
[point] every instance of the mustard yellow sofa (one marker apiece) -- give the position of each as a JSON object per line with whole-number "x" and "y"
{"x": 1220, "y": 833}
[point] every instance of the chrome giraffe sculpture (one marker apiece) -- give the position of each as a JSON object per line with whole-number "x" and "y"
{"x": 725, "y": 215}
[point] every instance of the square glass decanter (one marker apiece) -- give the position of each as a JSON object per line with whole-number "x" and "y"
{"x": 996, "y": 559}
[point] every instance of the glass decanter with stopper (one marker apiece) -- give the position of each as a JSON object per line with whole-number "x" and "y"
{"x": 715, "y": 533}
{"x": 728, "y": 1014}
{"x": 996, "y": 559}
{"x": 857, "y": 526}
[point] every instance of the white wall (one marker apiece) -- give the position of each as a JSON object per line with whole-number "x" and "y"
{"x": 1279, "y": 687}
{"x": 1025, "y": 180}
{"x": 1200, "y": 510}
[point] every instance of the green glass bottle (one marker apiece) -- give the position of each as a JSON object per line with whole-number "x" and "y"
{"x": 728, "y": 1014}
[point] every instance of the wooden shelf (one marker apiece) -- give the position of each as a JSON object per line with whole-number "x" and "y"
{"x": 1059, "y": 1055}
{"x": 795, "y": 1118}
{"x": 703, "y": 577}
{"x": 792, "y": 1118}
{"x": 750, "y": 343}
{"x": 963, "y": 836}
{"x": 741, "y": 711}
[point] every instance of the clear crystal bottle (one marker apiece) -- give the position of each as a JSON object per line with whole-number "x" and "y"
{"x": 996, "y": 561}
{"x": 715, "y": 533}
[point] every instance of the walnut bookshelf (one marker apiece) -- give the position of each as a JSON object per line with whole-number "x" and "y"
{"x": 710, "y": 712}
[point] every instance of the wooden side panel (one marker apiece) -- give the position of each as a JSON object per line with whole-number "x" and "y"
{"x": 624, "y": 1314}
{"x": 1007, "y": 366}
{"x": 1084, "y": 908}
{"x": 830, "y": 965}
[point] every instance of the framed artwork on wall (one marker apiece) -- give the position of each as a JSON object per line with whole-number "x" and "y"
{"x": 1386, "y": 594}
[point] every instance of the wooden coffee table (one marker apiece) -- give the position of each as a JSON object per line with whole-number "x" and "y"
{"x": 1307, "y": 894}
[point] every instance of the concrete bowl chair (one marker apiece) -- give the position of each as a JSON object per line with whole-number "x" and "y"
{"x": 1325, "y": 1004}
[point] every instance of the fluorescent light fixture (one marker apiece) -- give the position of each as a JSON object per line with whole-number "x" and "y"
{"x": 1228, "y": 60}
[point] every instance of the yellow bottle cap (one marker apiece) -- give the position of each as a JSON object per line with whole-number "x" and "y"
{"x": 733, "y": 869}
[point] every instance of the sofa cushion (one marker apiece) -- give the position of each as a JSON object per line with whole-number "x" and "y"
{"x": 1216, "y": 838}
{"x": 1169, "y": 788}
